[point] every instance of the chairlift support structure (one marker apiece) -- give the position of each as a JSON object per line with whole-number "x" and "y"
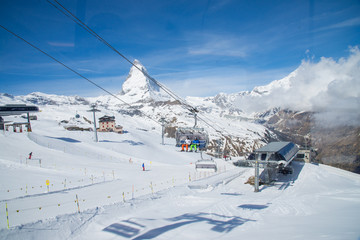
{"x": 17, "y": 109}
{"x": 194, "y": 112}
{"x": 274, "y": 155}
{"x": 162, "y": 120}
{"x": 93, "y": 109}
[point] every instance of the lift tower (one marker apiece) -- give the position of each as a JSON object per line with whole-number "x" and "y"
{"x": 93, "y": 109}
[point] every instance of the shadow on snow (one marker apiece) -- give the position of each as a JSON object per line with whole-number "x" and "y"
{"x": 253, "y": 206}
{"x": 125, "y": 141}
{"x": 71, "y": 140}
{"x": 232, "y": 194}
{"x": 219, "y": 222}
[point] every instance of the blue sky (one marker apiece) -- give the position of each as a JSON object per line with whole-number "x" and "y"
{"x": 196, "y": 48}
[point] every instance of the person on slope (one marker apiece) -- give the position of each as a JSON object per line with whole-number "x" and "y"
{"x": 143, "y": 166}
{"x": 186, "y": 143}
{"x": 194, "y": 144}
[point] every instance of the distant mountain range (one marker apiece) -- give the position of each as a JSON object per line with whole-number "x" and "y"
{"x": 244, "y": 120}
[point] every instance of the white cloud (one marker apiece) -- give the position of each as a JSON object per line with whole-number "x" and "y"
{"x": 211, "y": 81}
{"x": 218, "y": 45}
{"x": 328, "y": 87}
{"x": 347, "y": 23}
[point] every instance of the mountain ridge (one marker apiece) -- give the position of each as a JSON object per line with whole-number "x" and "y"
{"x": 244, "y": 124}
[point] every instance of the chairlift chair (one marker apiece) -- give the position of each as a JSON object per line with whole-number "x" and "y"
{"x": 205, "y": 164}
{"x": 182, "y": 134}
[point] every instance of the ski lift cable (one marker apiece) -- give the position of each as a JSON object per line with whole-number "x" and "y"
{"x": 69, "y": 14}
{"x": 77, "y": 73}
{"x": 183, "y": 102}
{"x": 212, "y": 125}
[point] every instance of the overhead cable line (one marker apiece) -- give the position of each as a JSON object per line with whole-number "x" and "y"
{"x": 77, "y": 73}
{"x": 69, "y": 14}
{"x": 211, "y": 125}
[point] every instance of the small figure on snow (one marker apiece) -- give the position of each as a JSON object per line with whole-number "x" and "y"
{"x": 186, "y": 143}
{"x": 143, "y": 166}
{"x": 30, "y": 154}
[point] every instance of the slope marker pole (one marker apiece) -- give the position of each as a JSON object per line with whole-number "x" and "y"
{"x": 7, "y": 216}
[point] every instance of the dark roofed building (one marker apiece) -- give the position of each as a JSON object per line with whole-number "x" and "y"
{"x": 276, "y": 151}
{"x": 107, "y": 124}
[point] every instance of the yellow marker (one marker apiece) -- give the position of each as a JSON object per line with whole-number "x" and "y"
{"x": 47, "y": 184}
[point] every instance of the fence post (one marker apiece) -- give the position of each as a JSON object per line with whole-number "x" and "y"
{"x": 133, "y": 191}
{"x": 7, "y": 216}
{"x": 77, "y": 201}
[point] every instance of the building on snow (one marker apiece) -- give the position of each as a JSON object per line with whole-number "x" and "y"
{"x": 107, "y": 124}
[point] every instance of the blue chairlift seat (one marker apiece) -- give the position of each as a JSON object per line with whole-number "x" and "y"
{"x": 182, "y": 134}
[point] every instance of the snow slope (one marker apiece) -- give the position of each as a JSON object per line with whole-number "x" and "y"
{"x": 99, "y": 190}
{"x": 170, "y": 200}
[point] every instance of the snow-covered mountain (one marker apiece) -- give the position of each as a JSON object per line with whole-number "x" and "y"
{"x": 243, "y": 120}
{"x": 98, "y": 190}
{"x": 138, "y": 86}
{"x": 141, "y": 99}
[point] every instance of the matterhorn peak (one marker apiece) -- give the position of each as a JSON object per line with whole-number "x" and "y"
{"x": 139, "y": 87}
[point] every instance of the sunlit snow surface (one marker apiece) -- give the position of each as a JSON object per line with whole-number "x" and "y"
{"x": 170, "y": 200}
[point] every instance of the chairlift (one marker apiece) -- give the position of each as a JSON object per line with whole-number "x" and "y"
{"x": 205, "y": 164}
{"x": 182, "y": 134}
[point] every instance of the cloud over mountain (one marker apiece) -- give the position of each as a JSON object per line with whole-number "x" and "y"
{"x": 330, "y": 88}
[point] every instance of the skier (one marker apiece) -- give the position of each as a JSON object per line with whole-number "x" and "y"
{"x": 30, "y": 154}
{"x": 186, "y": 143}
{"x": 194, "y": 144}
{"x": 143, "y": 166}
